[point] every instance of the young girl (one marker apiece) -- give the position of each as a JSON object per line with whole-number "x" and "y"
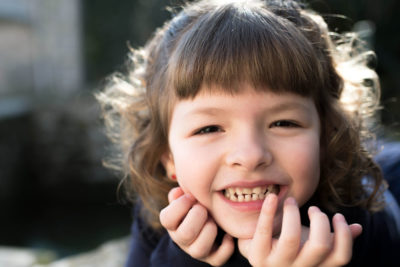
{"x": 234, "y": 115}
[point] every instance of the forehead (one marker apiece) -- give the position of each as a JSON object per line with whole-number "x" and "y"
{"x": 213, "y": 100}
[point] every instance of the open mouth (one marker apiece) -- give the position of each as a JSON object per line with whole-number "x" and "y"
{"x": 243, "y": 194}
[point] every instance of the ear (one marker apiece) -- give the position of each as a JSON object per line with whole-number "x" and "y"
{"x": 167, "y": 161}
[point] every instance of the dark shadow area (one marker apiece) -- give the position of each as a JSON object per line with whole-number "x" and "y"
{"x": 55, "y": 193}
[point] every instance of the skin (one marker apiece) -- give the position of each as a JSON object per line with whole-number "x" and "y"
{"x": 217, "y": 141}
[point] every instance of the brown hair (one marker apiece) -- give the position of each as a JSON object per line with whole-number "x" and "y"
{"x": 272, "y": 44}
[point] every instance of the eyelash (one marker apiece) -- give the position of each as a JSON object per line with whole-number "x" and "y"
{"x": 285, "y": 124}
{"x": 215, "y": 128}
{"x": 208, "y": 130}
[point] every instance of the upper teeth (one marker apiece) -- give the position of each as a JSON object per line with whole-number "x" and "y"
{"x": 241, "y": 194}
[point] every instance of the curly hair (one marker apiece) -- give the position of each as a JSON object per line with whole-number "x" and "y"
{"x": 275, "y": 44}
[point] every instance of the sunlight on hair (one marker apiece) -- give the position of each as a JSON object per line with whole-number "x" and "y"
{"x": 223, "y": 2}
{"x": 355, "y": 97}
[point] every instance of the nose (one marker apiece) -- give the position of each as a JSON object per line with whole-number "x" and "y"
{"x": 249, "y": 151}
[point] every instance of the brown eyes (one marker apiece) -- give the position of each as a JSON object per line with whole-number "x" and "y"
{"x": 285, "y": 124}
{"x": 208, "y": 129}
{"x": 215, "y": 128}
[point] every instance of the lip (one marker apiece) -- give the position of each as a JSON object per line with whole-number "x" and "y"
{"x": 252, "y": 206}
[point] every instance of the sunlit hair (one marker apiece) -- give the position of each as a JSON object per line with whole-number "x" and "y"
{"x": 272, "y": 45}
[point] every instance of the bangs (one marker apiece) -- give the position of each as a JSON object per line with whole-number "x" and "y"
{"x": 232, "y": 45}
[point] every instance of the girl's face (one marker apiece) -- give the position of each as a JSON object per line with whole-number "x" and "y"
{"x": 228, "y": 151}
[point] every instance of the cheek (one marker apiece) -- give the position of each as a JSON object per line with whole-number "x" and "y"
{"x": 195, "y": 173}
{"x": 309, "y": 163}
{"x": 305, "y": 169}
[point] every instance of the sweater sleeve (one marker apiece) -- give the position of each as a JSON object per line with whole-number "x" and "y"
{"x": 142, "y": 242}
{"x": 148, "y": 248}
{"x": 379, "y": 243}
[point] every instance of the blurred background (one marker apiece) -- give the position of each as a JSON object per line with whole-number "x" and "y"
{"x": 56, "y": 198}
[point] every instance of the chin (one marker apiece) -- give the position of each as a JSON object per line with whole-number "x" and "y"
{"x": 240, "y": 231}
{"x": 246, "y": 230}
{"x": 245, "y": 235}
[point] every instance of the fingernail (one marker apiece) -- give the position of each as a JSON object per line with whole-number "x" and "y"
{"x": 339, "y": 217}
{"x": 313, "y": 209}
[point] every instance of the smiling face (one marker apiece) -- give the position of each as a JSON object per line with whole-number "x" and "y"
{"x": 228, "y": 151}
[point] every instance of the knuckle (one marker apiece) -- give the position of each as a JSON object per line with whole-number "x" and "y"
{"x": 204, "y": 249}
{"x": 186, "y": 235}
{"x": 259, "y": 262}
{"x": 343, "y": 259}
{"x": 291, "y": 242}
{"x": 197, "y": 252}
{"x": 199, "y": 210}
{"x": 211, "y": 228}
{"x": 164, "y": 219}
{"x": 321, "y": 248}
{"x": 216, "y": 262}
{"x": 201, "y": 248}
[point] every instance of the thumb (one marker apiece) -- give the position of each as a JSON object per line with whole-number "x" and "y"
{"x": 244, "y": 246}
{"x": 174, "y": 193}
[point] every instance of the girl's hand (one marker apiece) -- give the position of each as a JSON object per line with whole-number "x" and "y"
{"x": 322, "y": 248}
{"x": 193, "y": 230}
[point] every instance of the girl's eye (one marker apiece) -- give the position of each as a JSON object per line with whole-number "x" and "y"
{"x": 285, "y": 124}
{"x": 208, "y": 129}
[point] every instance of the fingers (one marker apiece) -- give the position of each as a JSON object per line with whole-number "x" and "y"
{"x": 324, "y": 248}
{"x": 190, "y": 227}
{"x": 244, "y": 247}
{"x": 321, "y": 248}
{"x": 320, "y": 241}
{"x": 204, "y": 248}
{"x": 223, "y": 252}
{"x": 172, "y": 215}
{"x": 200, "y": 246}
{"x": 356, "y": 230}
{"x": 262, "y": 241}
{"x": 289, "y": 240}
{"x": 343, "y": 241}
{"x": 174, "y": 193}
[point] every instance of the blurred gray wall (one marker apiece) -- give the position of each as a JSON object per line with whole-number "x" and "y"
{"x": 53, "y": 186}
{"x": 40, "y": 46}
